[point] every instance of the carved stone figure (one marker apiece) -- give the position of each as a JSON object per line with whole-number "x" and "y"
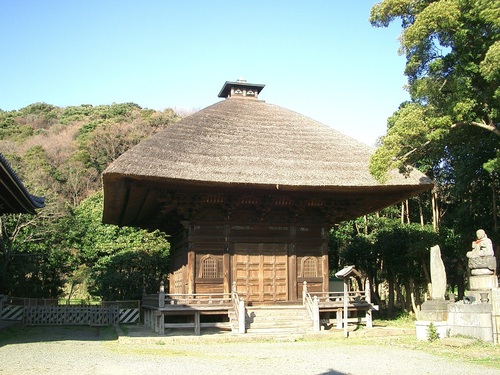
{"x": 481, "y": 258}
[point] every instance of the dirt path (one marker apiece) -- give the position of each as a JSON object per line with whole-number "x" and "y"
{"x": 65, "y": 350}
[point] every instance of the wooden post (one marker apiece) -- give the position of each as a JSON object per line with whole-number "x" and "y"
{"x": 162, "y": 324}
{"x": 197, "y": 324}
{"x": 324, "y": 263}
{"x": 368, "y": 298}
{"x": 161, "y": 295}
{"x": 225, "y": 271}
{"x": 339, "y": 318}
{"x": 292, "y": 273}
{"x": 316, "y": 314}
{"x": 346, "y": 302}
{"x": 241, "y": 317}
{"x": 304, "y": 293}
{"x": 191, "y": 271}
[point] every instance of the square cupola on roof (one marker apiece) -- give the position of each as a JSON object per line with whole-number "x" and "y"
{"x": 241, "y": 89}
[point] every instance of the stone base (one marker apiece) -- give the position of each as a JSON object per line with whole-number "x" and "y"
{"x": 472, "y": 320}
{"x": 477, "y": 296}
{"x": 434, "y": 311}
{"x": 482, "y": 282}
{"x": 422, "y": 329}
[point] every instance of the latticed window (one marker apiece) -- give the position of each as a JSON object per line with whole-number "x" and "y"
{"x": 309, "y": 267}
{"x": 208, "y": 267}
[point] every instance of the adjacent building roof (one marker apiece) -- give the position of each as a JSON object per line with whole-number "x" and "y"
{"x": 14, "y": 198}
{"x": 245, "y": 142}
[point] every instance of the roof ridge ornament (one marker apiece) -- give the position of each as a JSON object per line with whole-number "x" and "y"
{"x": 241, "y": 89}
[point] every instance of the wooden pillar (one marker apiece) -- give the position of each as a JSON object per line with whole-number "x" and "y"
{"x": 324, "y": 260}
{"x": 292, "y": 273}
{"x": 161, "y": 295}
{"x": 191, "y": 264}
{"x": 197, "y": 324}
{"x": 242, "y": 316}
{"x": 346, "y": 303}
{"x": 293, "y": 293}
{"x": 339, "y": 318}
{"x": 316, "y": 325}
{"x": 226, "y": 261}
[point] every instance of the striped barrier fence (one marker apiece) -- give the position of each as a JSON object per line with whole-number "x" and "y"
{"x": 128, "y": 316}
{"x": 10, "y": 312}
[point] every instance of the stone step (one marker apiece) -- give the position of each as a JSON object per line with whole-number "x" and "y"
{"x": 278, "y": 330}
{"x": 276, "y": 319}
{"x": 272, "y": 319}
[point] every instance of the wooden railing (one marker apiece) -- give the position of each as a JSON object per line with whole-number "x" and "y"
{"x": 332, "y": 297}
{"x": 157, "y": 306}
{"x": 356, "y": 301}
{"x": 198, "y": 299}
{"x": 312, "y": 306}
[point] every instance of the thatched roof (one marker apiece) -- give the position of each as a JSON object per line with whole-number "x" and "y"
{"x": 14, "y": 198}
{"x": 242, "y": 141}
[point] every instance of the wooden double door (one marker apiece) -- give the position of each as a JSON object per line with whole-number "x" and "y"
{"x": 261, "y": 272}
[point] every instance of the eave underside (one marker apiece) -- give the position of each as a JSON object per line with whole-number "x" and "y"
{"x": 160, "y": 205}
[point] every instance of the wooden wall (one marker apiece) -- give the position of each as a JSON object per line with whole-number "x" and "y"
{"x": 209, "y": 255}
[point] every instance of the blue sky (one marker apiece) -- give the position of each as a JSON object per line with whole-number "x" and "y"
{"x": 321, "y": 58}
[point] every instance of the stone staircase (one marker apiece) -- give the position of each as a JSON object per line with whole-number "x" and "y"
{"x": 277, "y": 319}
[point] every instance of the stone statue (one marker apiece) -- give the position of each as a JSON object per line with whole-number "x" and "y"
{"x": 482, "y": 259}
{"x": 438, "y": 274}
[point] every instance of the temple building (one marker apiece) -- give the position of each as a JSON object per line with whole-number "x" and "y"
{"x": 248, "y": 192}
{"x": 14, "y": 198}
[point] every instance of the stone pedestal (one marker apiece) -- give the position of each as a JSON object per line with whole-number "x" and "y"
{"x": 434, "y": 311}
{"x": 471, "y": 320}
{"x": 422, "y": 329}
{"x": 480, "y": 288}
{"x": 482, "y": 282}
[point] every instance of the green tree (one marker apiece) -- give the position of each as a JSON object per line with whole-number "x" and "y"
{"x": 452, "y": 50}
{"x": 118, "y": 262}
{"x": 33, "y": 261}
{"x": 60, "y": 153}
{"x": 387, "y": 252}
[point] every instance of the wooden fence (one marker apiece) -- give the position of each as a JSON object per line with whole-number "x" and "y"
{"x": 49, "y": 312}
{"x": 71, "y": 315}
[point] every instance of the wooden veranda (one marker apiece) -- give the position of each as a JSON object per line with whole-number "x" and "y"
{"x": 185, "y": 311}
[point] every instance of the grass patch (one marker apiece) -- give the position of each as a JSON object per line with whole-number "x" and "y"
{"x": 403, "y": 320}
{"x": 478, "y": 352}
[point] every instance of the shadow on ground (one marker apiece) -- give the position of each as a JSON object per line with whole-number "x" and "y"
{"x": 18, "y": 333}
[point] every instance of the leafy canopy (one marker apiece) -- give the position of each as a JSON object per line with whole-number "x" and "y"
{"x": 452, "y": 50}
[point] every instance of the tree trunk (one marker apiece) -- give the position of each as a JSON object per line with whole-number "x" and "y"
{"x": 435, "y": 209}
{"x": 407, "y": 204}
{"x": 401, "y": 301}
{"x": 409, "y": 296}
{"x": 390, "y": 302}
{"x": 421, "y": 212}
{"x": 494, "y": 201}
{"x": 402, "y": 212}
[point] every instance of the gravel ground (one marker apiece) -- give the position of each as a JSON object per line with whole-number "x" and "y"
{"x": 90, "y": 350}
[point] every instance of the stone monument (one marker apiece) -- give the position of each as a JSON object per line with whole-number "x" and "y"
{"x": 438, "y": 274}
{"x": 476, "y": 315}
{"x": 435, "y": 310}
